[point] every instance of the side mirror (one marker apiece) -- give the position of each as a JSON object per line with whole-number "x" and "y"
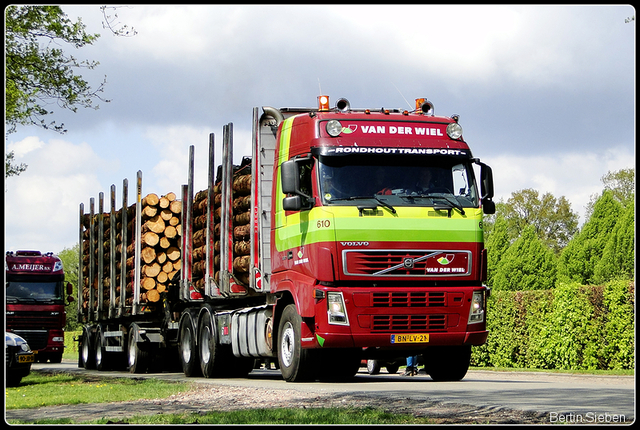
{"x": 292, "y": 203}
{"x": 486, "y": 181}
{"x": 69, "y": 288}
{"x": 290, "y": 178}
{"x": 488, "y": 206}
{"x": 290, "y": 175}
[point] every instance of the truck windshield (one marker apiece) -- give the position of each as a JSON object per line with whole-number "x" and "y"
{"x": 397, "y": 180}
{"x": 34, "y": 290}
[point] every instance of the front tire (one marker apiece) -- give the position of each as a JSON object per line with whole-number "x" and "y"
{"x": 296, "y": 364}
{"x": 447, "y": 363}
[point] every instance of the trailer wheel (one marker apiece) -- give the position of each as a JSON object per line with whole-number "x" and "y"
{"x": 87, "y": 352}
{"x": 188, "y": 348}
{"x": 208, "y": 347}
{"x": 138, "y": 358}
{"x": 100, "y": 351}
{"x": 296, "y": 364}
{"x": 447, "y": 363}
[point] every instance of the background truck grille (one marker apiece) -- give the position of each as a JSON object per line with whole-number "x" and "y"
{"x": 29, "y": 320}
{"x": 37, "y": 339}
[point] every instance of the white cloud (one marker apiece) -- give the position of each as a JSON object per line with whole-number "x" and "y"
{"x": 42, "y": 203}
{"x": 576, "y": 176}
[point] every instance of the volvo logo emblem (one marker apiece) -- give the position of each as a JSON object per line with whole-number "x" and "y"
{"x": 408, "y": 263}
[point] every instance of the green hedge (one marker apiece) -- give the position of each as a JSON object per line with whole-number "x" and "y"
{"x": 571, "y": 327}
{"x": 71, "y": 346}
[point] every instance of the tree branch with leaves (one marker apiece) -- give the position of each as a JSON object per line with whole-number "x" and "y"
{"x": 38, "y": 72}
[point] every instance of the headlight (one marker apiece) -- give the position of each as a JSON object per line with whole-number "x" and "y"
{"x": 337, "y": 311}
{"x": 25, "y": 347}
{"x": 454, "y": 131}
{"x": 57, "y": 339}
{"x": 334, "y": 128}
{"x": 476, "y": 312}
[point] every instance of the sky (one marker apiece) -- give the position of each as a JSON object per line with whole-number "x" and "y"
{"x": 545, "y": 94}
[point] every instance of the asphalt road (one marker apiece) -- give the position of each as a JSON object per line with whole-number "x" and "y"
{"x": 564, "y": 397}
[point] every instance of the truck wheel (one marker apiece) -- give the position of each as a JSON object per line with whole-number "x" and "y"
{"x": 208, "y": 347}
{"x": 345, "y": 364}
{"x": 188, "y": 348}
{"x": 373, "y": 367}
{"x": 100, "y": 351}
{"x": 392, "y": 368}
{"x": 296, "y": 364}
{"x": 87, "y": 351}
{"x": 138, "y": 358}
{"x": 447, "y": 363}
{"x": 103, "y": 359}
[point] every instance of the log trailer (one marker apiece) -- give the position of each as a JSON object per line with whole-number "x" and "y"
{"x": 35, "y": 301}
{"x": 347, "y": 234}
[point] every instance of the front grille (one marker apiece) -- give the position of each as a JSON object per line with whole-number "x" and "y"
{"x": 416, "y": 263}
{"x": 419, "y": 299}
{"x": 32, "y": 320}
{"x": 400, "y": 323}
{"x": 37, "y": 339}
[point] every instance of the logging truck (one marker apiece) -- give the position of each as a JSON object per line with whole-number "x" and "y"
{"x": 347, "y": 234}
{"x": 35, "y": 301}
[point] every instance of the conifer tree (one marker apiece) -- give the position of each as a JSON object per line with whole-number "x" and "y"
{"x": 526, "y": 265}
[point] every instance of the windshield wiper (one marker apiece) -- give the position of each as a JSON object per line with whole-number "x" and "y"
{"x": 440, "y": 196}
{"x": 452, "y": 202}
{"x": 383, "y": 203}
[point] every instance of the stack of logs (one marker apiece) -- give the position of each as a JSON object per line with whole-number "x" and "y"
{"x": 160, "y": 257}
{"x": 241, "y": 218}
{"x": 241, "y": 224}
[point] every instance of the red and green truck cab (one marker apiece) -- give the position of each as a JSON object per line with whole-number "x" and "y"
{"x": 373, "y": 259}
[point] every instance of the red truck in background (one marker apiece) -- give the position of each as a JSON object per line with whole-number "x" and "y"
{"x": 35, "y": 301}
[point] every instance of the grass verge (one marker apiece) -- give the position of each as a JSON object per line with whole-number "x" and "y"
{"x": 39, "y": 389}
{"x": 262, "y": 416}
